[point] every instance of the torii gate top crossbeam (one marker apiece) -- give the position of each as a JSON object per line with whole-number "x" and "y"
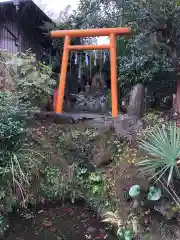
{"x": 97, "y": 32}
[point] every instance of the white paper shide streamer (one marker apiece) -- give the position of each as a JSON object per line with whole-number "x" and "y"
{"x": 76, "y": 59}
{"x": 95, "y": 58}
{"x": 104, "y": 57}
{"x": 87, "y": 59}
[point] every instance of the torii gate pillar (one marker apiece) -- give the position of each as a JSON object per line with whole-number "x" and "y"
{"x": 68, "y": 34}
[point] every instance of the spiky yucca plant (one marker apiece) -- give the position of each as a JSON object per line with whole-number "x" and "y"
{"x": 163, "y": 153}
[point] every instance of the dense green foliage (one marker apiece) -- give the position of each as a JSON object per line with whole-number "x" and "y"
{"x": 31, "y": 80}
{"x": 17, "y": 161}
{"x": 31, "y": 83}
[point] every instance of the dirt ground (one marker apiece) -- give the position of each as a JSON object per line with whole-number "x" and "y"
{"x": 67, "y": 222}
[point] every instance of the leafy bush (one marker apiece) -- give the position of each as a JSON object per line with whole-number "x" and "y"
{"x": 17, "y": 161}
{"x": 142, "y": 200}
{"x": 12, "y": 125}
{"x": 58, "y": 186}
{"x": 53, "y": 186}
{"x": 31, "y": 83}
{"x": 31, "y": 80}
{"x": 152, "y": 119}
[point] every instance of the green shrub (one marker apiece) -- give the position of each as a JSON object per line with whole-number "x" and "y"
{"x": 53, "y": 186}
{"x": 57, "y": 186}
{"x": 12, "y": 125}
{"x": 32, "y": 80}
{"x": 152, "y": 119}
{"x": 19, "y": 163}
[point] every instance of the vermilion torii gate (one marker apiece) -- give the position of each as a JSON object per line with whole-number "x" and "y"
{"x": 68, "y": 34}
